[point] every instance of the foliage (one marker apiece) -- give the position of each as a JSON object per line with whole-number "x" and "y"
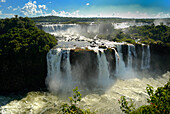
{"x": 72, "y": 108}
{"x": 159, "y": 102}
{"x": 23, "y": 50}
{"x": 21, "y": 36}
{"x": 124, "y": 105}
{"x": 159, "y": 34}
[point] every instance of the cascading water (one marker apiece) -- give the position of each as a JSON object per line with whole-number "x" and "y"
{"x": 57, "y": 27}
{"x": 57, "y": 78}
{"x": 145, "y": 63}
{"x": 129, "y": 57}
{"x": 120, "y": 66}
{"x": 104, "y": 74}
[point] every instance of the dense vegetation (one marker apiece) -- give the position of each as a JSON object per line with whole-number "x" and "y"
{"x": 23, "y": 49}
{"x": 159, "y": 102}
{"x": 151, "y": 34}
{"x": 148, "y": 34}
{"x": 21, "y": 36}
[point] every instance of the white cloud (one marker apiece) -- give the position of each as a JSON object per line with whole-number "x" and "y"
{"x": 124, "y": 11}
{"x": 3, "y": 0}
{"x": 130, "y": 14}
{"x": 42, "y": 6}
{"x": 9, "y": 7}
{"x": 87, "y": 4}
{"x": 31, "y": 9}
{"x": 7, "y": 15}
{"x": 162, "y": 15}
{"x": 138, "y": 14}
{"x": 65, "y": 14}
{"x": 14, "y": 9}
{"x": 34, "y": 2}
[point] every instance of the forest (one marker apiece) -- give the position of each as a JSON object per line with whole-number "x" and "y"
{"x": 148, "y": 34}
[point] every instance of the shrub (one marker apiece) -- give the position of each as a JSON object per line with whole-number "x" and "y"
{"x": 159, "y": 102}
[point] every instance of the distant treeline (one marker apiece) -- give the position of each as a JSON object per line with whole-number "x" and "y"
{"x": 57, "y": 19}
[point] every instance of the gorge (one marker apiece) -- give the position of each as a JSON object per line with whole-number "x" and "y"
{"x": 103, "y": 70}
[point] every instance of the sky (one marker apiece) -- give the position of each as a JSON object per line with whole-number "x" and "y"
{"x": 86, "y": 8}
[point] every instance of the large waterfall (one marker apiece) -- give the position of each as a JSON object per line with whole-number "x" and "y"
{"x": 95, "y": 64}
{"x": 93, "y": 68}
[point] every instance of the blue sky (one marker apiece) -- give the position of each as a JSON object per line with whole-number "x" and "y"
{"x": 86, "y": 8}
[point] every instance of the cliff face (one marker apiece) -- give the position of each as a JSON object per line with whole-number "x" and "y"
{"x": 160, "y": 58}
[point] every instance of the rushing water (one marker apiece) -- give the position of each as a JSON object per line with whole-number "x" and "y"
{"x": 101, "y": 101}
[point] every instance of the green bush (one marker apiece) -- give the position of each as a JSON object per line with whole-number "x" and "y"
{"x": 159, "y": 102}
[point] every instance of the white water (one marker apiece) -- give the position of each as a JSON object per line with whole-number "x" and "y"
{"x": 56, "y": 79}
{"x": 120, "y": 66}
{"x": 105, "y": 102}
{"x": 145, "y": 63}
{"x": 104, "y": 74}
{"x": 129, "y": 57}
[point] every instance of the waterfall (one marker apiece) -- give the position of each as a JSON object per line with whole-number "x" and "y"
{"x": 145, "y": 62}
{"x": 104, "y": 73}
{"x": 86, "y": 72}
{"x": 56, "y": 78}
{"x": 57, "y": 27}
{"x": 120, "y": 66}
{"x": 103, "y": 70}
{"x": 117, "y": 60}
{"x": 68, "y": 68}
{"x": 129, "y": 57}
{"x": 121, "y": 70}
{"x": 54, "y": 60}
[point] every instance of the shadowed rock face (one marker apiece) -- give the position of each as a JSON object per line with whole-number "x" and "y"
{"x": 86, "y": 63}
{"x": 138, "y": 48}
{"x": 125, "y": 54}
{"x": 110, "y": 56}
{"x": 160, "y": 58}
{"x": 84, "y": 66}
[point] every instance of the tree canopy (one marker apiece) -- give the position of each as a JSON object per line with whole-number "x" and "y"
{"x": 21, "y": 36}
